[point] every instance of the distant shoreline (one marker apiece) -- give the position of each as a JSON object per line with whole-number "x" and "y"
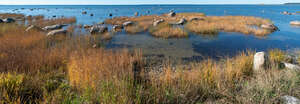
{"x": 125, "y": 4}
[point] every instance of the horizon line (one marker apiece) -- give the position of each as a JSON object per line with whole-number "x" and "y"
{"x": 156, "y": 4}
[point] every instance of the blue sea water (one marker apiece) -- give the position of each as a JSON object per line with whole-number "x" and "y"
{"x": 287, "y": 38}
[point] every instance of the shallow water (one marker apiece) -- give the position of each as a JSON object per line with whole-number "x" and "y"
{"x": 194, "y": 46}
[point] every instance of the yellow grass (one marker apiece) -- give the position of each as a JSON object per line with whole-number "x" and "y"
{"x": 167, "y": 31}
{"x": 46, "y": 22}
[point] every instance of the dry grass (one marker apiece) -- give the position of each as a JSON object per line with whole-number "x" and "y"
{"x": 41, "y": 22}
{"x": 12, "y": 15}
{"x": 209, "y": 24}
{"x": 167, "y": 31}
{"x": 242, "y": 24}
{"x": 133, "y": 29}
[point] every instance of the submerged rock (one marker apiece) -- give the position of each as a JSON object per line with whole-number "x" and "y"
{"x": 53, "y": 27}
{"x": 295, "y": 23}
{"x": 98, "y": 29}
{"x": 259, "y": 62}
{"x": 110, "y": 14}
{"x": 172, "y": 14}
{"x": 84, "y": 12}
{"x": 33, "y": 27}
{"x": 8, "y": 20}
{"x": 91, "y": 14}
{"x": 128, "y": 23}
{"x": 291, "y": 66}
{"x": 290, "y": 100}
{"x": 155, "y": 23}
{"x": 56, "y": 32}
{"x": 269, "y": 27}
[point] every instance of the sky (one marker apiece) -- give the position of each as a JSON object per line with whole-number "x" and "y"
{"x": 134, "y": 2}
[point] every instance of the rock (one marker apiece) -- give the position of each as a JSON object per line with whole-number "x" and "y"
{"x": 110, "y": 14}
{"x": 56, "y": 32}
{"x": 1, "y": 21}
{"x": 117, "y": 27}
{"x": 128, "y": 23}
{"x": 33, "y": 27}
{"x": 98, "y": 29}
{"x": 291, "y": 66}
{"x": 136, "y": 14}
{"x": 295, "y": 23}
{"x": 269, "y": 27}
{"x": 8, "y": 20}
{"x": 285, "y": 12}
{"x": 84, "y": 12}
{"x": 196, "y": 19}
{"x": 259, "y": 62}
{"x": 290, "y": 100}
{"x": 155, "y": 23}
{"x": 53, "y": 27}
{"x": 172, "y": 14}
{"x": 91, "y": 14}
{"x": 87, "y": 26}
{"x": 54, "y": 16}
{"x": 181, "y": 21}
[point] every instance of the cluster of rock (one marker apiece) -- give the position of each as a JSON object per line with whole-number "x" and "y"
{"x": 7, "y": 20}
{"x": 52, "y": 30}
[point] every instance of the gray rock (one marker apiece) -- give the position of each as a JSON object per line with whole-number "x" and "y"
{"x": 1, "y": 21}
{"x": 8, "y": 20}
{"x": 291, "y": 66}
{"x": 98, "y": 29}
{"x": 172, "y": 14}
{"x": 269, "y": 27}
{"x": 56, "y": 32}
{"x": 297, "y": 23}
{"x": 196, "y": 19}
{"x": 155, "y": 23}
{"x": 117, "y": 27}
{"x": 84, "y": 12}
{"x": 259, "y": 62}
{"x": 128, "y": 23}
{"x": 290, "y": 100}
{"x": 33, "y": 27}
{"x": 53, "y": 27}
{"x": 87, "y": 26}
{"x": 181, "y": 21}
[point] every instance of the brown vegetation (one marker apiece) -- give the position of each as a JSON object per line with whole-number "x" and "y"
{"x": 204, "y": 24}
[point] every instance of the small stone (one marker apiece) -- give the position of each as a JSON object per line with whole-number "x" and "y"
{"x": 128, "y": 23}
{"x": 56, "y": 32}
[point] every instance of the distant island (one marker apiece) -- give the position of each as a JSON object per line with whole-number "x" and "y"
{"x": 291, "y": 3}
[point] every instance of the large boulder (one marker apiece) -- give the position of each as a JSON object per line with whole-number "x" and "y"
{"x": 56, "y": 32}
{"x": 1, "y": 21}
{"x": 290, "y": 100}
{"x": 33, "y": 27}
{"x": 291, "y": 66}
{"x": 172, "y": 14}
{"x": 128, "y": 23}
{"x": 53, "y": 27}
{"x": 155, "y": 23}
{"x": 259, "y": 61}
{"x": 271, "y": 27}
{"x": 98, "y": 29}
{"x": 8, "y": 20}
{"x": 297, "y": 23}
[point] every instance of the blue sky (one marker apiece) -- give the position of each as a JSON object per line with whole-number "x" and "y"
{"x": 116, "y": 2}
